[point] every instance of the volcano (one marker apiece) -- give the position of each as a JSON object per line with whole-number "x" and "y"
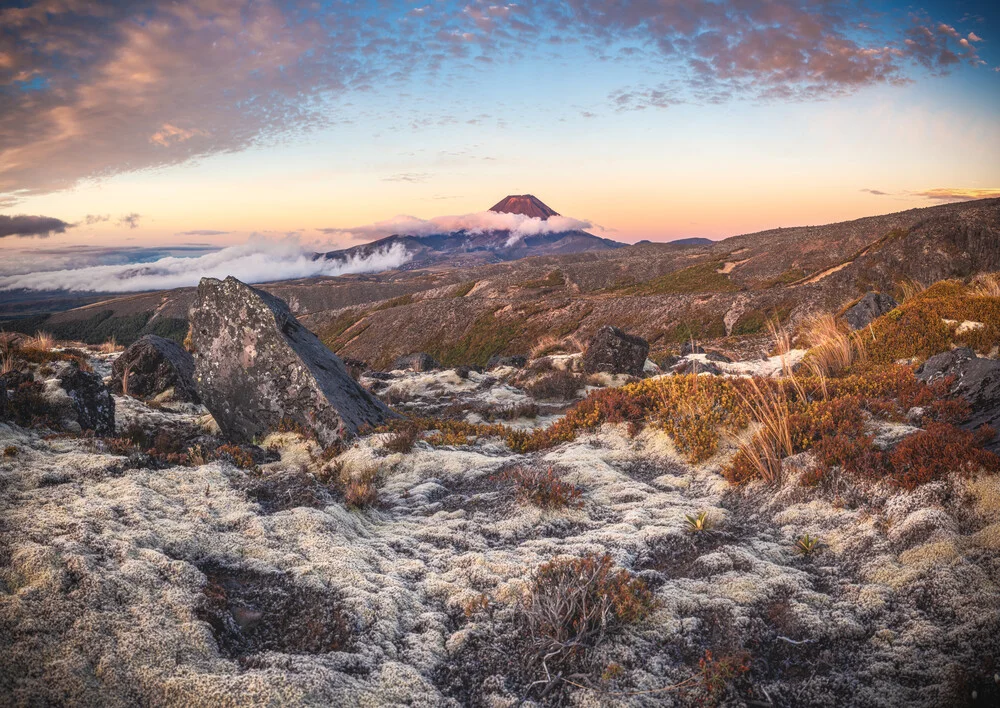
{"x": 468, "y": 248}
{"x": 526, "y": 204}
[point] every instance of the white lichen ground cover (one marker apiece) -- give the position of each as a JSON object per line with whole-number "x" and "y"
{"x": 102, "y": 576}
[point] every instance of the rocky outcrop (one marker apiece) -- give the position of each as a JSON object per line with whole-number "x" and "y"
{"x": 155, "y": 365}
{"x": 256, "y": 368}
{"x": 975, "y": 379}
{"x": 868, "y": 309}
{"x": 417, "y": 361}
{"x": 615, "y": 352}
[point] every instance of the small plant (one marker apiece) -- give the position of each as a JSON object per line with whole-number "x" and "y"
{"x": 986, "y": 285}
{"x": 558, "y": 385}
{"x": 6, "y": 363}
{"x": 544, "y": 488}
{"x": 807, "y": 545}
{"x": 359, "y": 488}
{"x": 403, "y": 439}
{"x": 717, "y": 674}
{"x": 696, "y": 523}
{"x": 235, "y": 455}
{"x": 10, "y": 451}
{"x": 573, "y": 604}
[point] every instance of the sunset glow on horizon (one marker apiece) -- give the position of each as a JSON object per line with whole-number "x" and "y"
{"x": 209, "y": 122}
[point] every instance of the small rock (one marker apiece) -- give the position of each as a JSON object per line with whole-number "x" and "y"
{"x": 717, "y": 356}
{"x": 154, "y": 365}
{"x": 515, "y": 361}
{"x": 872, "y": 306}
{"x": 615, "y": 352}
{"x": 418, "y": 361}
{"x": 690, "y": 347}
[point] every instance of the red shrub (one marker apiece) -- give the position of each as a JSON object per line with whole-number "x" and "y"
{"x": 932, "y": 453}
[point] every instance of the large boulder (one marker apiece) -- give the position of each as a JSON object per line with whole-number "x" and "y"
{"x": 615, "y": 352}
{"x": 975, "y": 379}
{"x": 155, "y": 365}
{"x": 257, "y": 367}
{"x": 869, "y": 308}
{"x": 416, "y": 362}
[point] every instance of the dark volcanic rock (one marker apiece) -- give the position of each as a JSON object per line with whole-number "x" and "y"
{"x": 976, "y": 380}
{"x": 696, "y": 366}
{"x": 256, "y": 366}
{"x": 690, "y": 347}
{"x": 155, "y": 365}
{"x": 613, "y": 351}
{"x": 717, "y": 356}
{"x": 92, "y": 404}
{"x": 416, "y": 362}
{"x": 869, "y": 308}
{"x": 516, "y": 361}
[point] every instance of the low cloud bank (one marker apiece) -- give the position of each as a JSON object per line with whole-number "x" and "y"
{"x": 518, "y": 225}
{"x": 258, "y": 260}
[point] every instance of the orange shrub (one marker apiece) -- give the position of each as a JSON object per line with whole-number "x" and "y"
{"x": 940, "y": 449}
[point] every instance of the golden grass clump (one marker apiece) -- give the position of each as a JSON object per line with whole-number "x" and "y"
{"x": 832, "y": 348}
{"x": 110, "y": 346}
{"x": 986, "y": 285}
{"x": 359, "y": 487}
{"x": 42, "y": 341}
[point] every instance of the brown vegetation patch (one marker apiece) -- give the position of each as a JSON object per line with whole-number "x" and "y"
{"x": 252, "y": 612}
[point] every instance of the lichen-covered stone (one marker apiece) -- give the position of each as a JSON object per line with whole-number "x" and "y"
{"x": 81, "y": 398}
{"x": 155, "y": 365}
{"x": 256, "y": 367}
{"x": 868, "y": 309}
{"x": 975, "y": 379}
{"x": 615, "y": 352}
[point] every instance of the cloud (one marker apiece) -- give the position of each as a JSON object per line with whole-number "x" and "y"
{"x": 91, "y": 89}
{"x": 518, "y": 225}
{"x": 129, "y": 220}
{"x": 24, "y": 225}
{"x": 91, "y": 219}
{"x": 259, "y": 260}
{"x": 202, "y": 232}
{"x": 876, "y": 192}
{"x": 957, "y": 194}
{"x": 407, "y": 177}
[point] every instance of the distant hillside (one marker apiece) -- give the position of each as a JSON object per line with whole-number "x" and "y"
{"x": 693, "y": 241}
{"x": 722, "y": 292}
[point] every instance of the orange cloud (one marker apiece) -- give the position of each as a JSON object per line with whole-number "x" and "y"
{"x": 172, "y": 134}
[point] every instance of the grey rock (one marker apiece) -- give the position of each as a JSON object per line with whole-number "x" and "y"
{"x": 516, "y": 361}
{"x": 975, "y": 379}
{"x": 154, "y": 365}
{"x": 868, "y": 309}
{"x": 613, "y": 351}
{"x": 694, "y": 366}
{"x": 256, "y": 366}
{"x": 416, "y": 362}
{"x": 93, "y": 408}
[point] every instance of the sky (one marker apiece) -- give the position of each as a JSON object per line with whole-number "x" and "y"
{"x": 137, "y": 131}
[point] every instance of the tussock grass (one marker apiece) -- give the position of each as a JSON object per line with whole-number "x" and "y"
{"x": 42, "y": 341}
{"x": 833, "y": 349}
{"x": 110, "y": 346}
{"x": 986, "y": 285}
